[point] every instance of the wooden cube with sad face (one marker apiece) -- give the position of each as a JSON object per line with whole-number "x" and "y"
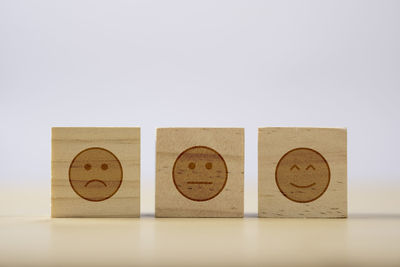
{"x": 302, "y": 172}
{"x": 95, "y": 172}
{"x": 199, "y": 172}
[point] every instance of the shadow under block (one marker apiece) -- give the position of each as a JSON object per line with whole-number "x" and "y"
{"x": 302, "y": 172}
{"x": 199, "y": 172}
{"x": 95, "y": 172}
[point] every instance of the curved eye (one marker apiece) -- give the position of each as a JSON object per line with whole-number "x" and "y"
{"x": 104, "y": 166}
{"x": 87, "y": 166}
{"x": 310, "y": 167}
{"x": 192, "y": 165}
{"x": 209, "y": 165}
{"x": 294, "y": 167}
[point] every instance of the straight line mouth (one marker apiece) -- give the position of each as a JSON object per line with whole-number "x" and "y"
{"x": 199, "y": 182}
{"x": 95, "y": 180}
{"x": 302, "y": 186}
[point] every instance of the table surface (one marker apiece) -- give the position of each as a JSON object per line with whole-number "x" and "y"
{"x": 369, "y": 237}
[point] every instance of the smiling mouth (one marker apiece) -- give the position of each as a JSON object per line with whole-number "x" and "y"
{"x": 191, "y": 182}
{"x": 302, "y": 186}
{"x": 95, "y": 180}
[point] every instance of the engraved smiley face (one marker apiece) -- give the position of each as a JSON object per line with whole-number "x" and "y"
{"x": 200, "y": 173}
{"x": 95, "y": 174}
{"x": 302, "y": 175}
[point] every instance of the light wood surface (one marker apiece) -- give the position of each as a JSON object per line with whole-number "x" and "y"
{"x": 321, "y": 160}
{"x": 222, "y": 147}
{"x": 120, "y": 148}
{"x": 369, "y": 237}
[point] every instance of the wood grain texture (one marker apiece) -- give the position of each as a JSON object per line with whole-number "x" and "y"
{"x": 274, "y": 143}
{"x": 228, "y": 142}
{"x": 67, "y": 143}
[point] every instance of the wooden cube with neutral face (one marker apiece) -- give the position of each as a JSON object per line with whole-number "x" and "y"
{"x": 302, "y": 172}
{"x": 199, "y": 172}
{"x": 95, "y": 172}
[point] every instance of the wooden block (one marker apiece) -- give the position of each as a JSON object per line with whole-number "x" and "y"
{"x": 199, "y": 172}
{"x": 95, "y": 172}
{"x": 302, "y": 172}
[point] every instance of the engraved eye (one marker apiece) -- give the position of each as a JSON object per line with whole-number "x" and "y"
{"x": 294, "y": 167}
{"x": 87, "y": 166}
{"x": 209, "y": 165}
{"x": 310, "y": 167}
{"x": 192, "y": 165}
{"x": 104, "y": 166}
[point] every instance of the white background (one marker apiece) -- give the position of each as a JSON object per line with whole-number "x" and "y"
{"x": 199, "y": 63}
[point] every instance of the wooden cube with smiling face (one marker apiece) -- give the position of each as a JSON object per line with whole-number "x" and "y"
{"x": 199, "y": 172}
{"x": 302, "y": 172}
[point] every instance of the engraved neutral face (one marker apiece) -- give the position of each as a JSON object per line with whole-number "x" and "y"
{"x": 302, "y": 175}
{"x": 95, "y": 174}
{"x": 200, "y": 173}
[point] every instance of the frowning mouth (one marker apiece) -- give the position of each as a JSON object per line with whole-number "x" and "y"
{"x": 302, "y": 186}
{"x": 95, "y": 180}
{"x": 192, "y": 182}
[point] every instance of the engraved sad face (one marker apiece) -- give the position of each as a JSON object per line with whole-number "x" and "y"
{"x": 302, "y": 175}
{"x": 95, "y": 174}
{"x": 200, "y": 173}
